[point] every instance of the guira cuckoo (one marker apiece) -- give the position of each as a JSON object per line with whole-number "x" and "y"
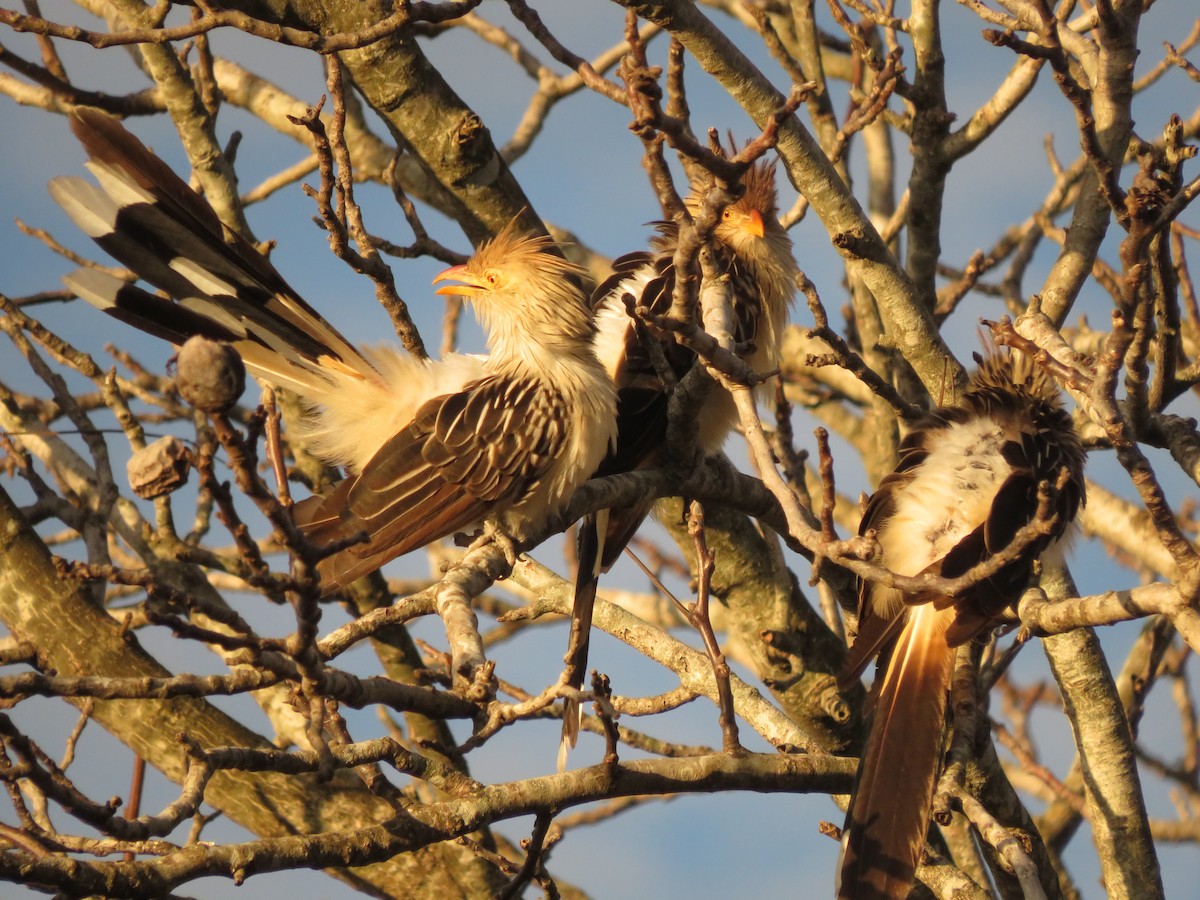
{"x": 757, "y": 252}
{"x": 432, "y": 448}
{"x": 967, "y": 482}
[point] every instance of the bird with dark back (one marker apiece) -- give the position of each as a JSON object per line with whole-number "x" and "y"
{"x": 757, "y": 254}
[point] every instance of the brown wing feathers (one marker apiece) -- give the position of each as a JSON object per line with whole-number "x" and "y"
{"x": 756, "y": 253}
{"x": 1020, "y": 436}
{"x": 460, "y": 456}
{"x": 513, "y": 438}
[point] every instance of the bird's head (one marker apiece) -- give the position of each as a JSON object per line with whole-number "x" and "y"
{"x": 750, "y": 228}
{"x": 1011, "y": 370}
{"x": 520, "y": 285}
{"x": 754, "y": 215}
{"x": 750, "y": 225}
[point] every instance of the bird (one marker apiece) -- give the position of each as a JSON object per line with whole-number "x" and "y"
{"x": 756, "y": 252}
{"x": 431, "y": 448}
{"x": 967, "y": 481}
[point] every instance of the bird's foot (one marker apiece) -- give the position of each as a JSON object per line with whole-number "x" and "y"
{"x": 493, "y": 532}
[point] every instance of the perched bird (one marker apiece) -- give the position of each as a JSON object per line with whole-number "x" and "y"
{"x": 966, "y": 483}
{"x": 757, "y": 252}
{"x": 432, "y": 448}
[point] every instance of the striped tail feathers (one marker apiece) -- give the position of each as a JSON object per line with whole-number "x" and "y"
{"x": 146, "y": 312}
{"x": 176, "y": 322}
{"x": 889, "y": 815}
{"x": 149, "y": 219}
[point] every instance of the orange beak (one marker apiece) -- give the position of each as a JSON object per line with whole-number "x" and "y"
{"x": 471, "y": 285}
{"x": 754, "y": 223}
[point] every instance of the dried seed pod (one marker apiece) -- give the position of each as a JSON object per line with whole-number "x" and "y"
{"x": 159, "y": 469}
{"x": 211, "y": 375}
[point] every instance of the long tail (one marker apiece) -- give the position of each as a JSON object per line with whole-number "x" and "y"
{"x": 889, "y": 816}
{"x": 148, "y": 218}
{"x": 602, "y": 536}
{"x": 590, "y": 552}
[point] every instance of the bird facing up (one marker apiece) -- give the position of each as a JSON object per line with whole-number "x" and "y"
{"x": 757, "y": 253}
{"x": 432, "y": 448}
{"x": 967, "y": 482}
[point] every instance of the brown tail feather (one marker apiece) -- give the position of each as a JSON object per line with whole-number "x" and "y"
{"x": 603, "y": 536}
{"x": 589, "y": 556}
{"x": 622, "y": 525}
{"x": 887, "y": 822}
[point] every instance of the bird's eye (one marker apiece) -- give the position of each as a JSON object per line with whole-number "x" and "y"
{"x": 727, "y": 214}
{"x": 491, "y": 277}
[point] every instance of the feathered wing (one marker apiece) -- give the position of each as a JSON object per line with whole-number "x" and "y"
{"x": 642, "y": 405}
{"x": 880, "y": 619}
{"x": 642, "y": 400}
{"x": 979, "y": 490}
{"x": 435, "y": 448}
{"x": 149, "y": 219}
{"x": 464, "y": 455}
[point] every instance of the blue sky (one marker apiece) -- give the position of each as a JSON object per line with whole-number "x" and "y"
{"x": 584, "y": 173}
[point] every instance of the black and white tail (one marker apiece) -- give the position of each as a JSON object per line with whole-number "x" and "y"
{"x": 148, "y": 218}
